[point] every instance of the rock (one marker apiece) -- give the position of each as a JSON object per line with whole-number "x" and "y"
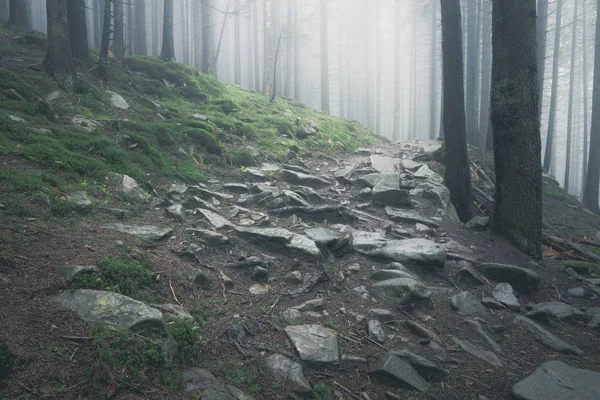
{"x": 554, "y": 309}
{"x": 424, "y": 230}
{"x": 296, "y": 168}
{"x": 314, "y": 343}
{"x": 196, "y": 202}
{"x": 177, "y": 190}
{"x": 503, "y": 293}
{"x": 423, "y": 366}
{"x": 254, "y": 174}
{"x": 258, "y": 289}
{"x": 252, "y": 151}
{"x": 282, "y": 237}
{"x": 343, "y": 174}
{"x": 555, "y": 380}
{"x": 521, "y": 278}
{"x": 236, "y": 187}
{"x": 87, "y": 124}
{"x": 478, "y": 223}
{"x": 144, "y": 231}
{"x": 291, "y": 314}
{"x": 70, "y": 272}
{"x": 174, "y": 310}
{"x": 382, "y": 314}
{"x": 200, "y": 117}
{"x": 478, "y": 352}
{"x": 17, "y": 119}
{"x": 46, "y": 109}
{"x": 311, "y": 305}
{"x": 209, "y": 194}
{"x": 176, "y": 212}
{"x": 350, "y": 358}
{"x": 424, "y": 172}
{"x": 385, "y": 274}
{"x": 227, "y": 281}
{"x": 308, "y": 193}
{"x": 206, "y": 384}
{"x": 81, "y": 201}
{"x": 40, "y": 131}
{"x": 217, "y": 221}
{"x": 259, "y": 274}
{"x": 308, "y": 128}
{"x": 387, "y": 192}
{"x": 128, "y": 188}
{"x": 299, "y": 178}
{"x": 391, "y": 367}
{"x": 210, "y": 237}
{"x": 400, "y": 291}
{"x": 441, "y": 194}
{"x": 122, "y": 312}
{"x": 420, "y": 330}
{"x": 467, "y": 304}
{"x": 545, "y": 337}
{"x": 376, "y": 330}
{"x": 478, "y": 328}
{"x": 294, "y": 278}
{"x": 55, "y": 95}
{"x": 288, "y": 373}
{"x": 117, "y": 100}
{"x": 371, "y": 180}
{"x": 327, "y": 238}
{"x": 12, "y": 94}
{"x": 592, "y": 314}
{"x": 576, "y": 291}
{"x": 398, "y": 215}
{"x": 418, "y": 251}
{"x": 295, "y": 198}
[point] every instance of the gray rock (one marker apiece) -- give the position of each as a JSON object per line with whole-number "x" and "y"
{"x": 314, "y": 343}
{"x": 421, "y": 331}
{"x": 553, "y": 309}
{"x": 311, "y": 305}
{"x": 208, "y": 236}
{"x": 209, "y": 194}
{"x": 254, "y": 174}
{"x": 157, "y": 118}
{"x": 478, "y": 352}
{"x": 423, "y": 366}
{"x": 176, "y": 212}
{"x": 202, "y": 381}
{"x": 117, "y": 100}
{"x": 384, "y": 164}
{"x": 424, "y": 172}
{"x": 128, "y": 188}
{"x": 260, "y": 273}
{"x": 576, "y": 291}
{"x": 382, "y": 314}
{"x": 282, "y": 237}
{"x": 388, "y": 366}
{"x": 467, "y": 270}
{"x": 194, "y": 202}
{"x": 376, "y": 330}
{"x": 227, "y": 281}
{"x": 504, "y": 294}
{"x": 217, "y": 221}
{"x": 398, "y": 215}
{"x": 294, "y": 278}
{"x": 200, "y": 117}
{"x": 327, "y": 238}
{"x": 70, "y": 272}
{"x": 467, "y": 304}
{"x": 478, "y": 223}
{"x": 81, "y": 201}
{"x": 371, "y": 180}
{"x": 478, "y": 328}
{"x": 592, "y": 314}
{"x": 288, "y": 373}
{"x": 520, "y": 278}
{"x": 291, "y": 314}
{"x": 309, "y": 193}
{"x": 424, "y": 229}
{"x": 259, "y": 289}
{"x": 122, "y": 312}
{"x": 17, "y": 119}
{"x": 343, "y": 174}
{"x": 545, "y": 337}
{"x": 418, "y": 251}
{"x": 387, "y": 192}
{"x": 144, "y": 231}
{"x": 441, "y": 195}
{"x": 175, "y": 311}
{"x": 40, "y": 131}
{"x": 296, "y": 168}
{"x": 86, "y": 124}
{"x": 555, "y": 380}
{"x": 252, "y": 151}
{"x": 385, "y": 274}
{"x": 298, "y": 178}
{"x": 400, "y": 291}
{"x": 295, "y": 198}
{"x": 236, "y": 187}
{"x": 177, "y": 189}
{"x": 350, "y": 358}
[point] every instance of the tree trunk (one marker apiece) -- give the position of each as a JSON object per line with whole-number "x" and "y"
{"x": 78, "y": 29}
{"x": 118, "y": 42}
{"x": 4, "y": 13}
{"x": 155, "y": 24}
{"x": 276, "y": 31}
{"x": 287, "y": 92}
{"x": 207, "y": 36}
{"x": 592, "y": 180}
{"x": 549, "y": 153}
{"x": 140, "y": 28}
{"x": 104, "y": 46}
{"x": 197, "y": 33}
{"x": 58, "y": 61}
{"x": 472, "y": 57}
{"x": 585, "y": 101}
{"x": 516, "y": 124}
{"x": 398, "y": 53}
{"x": 18, "y": 15}
{"x": 341, "y": 74}
{"x": 412, "y": 112}
{"x": 571, "y": 90}
{"x": 369, "y": 105}
{"x": 220, "y": 42}
{"x": 379, "y": 67}
{"x": 238, "y": 50}
{"x": 296, "y": 53}
{"x": 250, "y": 45}
{"x": 433, "y": 60}
{"x": 257, "y": 85}
{"x": 458, "y": 174}
{"x": 185, "y": 49}
{"x": 540, "y": 33}
{"x": 129, "y": 43}
{"x": 268, "y": 56}
{"x": 485, "y": 138}
{"x": 168, "y": 46}
{"x": 324, "y": 58}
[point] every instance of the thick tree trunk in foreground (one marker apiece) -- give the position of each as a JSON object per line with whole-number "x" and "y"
{"x": 324, "y": 58}
{"x": 592, "y": 181}
{"x": 549, "y": 153}
{"x": 433, "y": 60}
{"x": 168, "y": 47}
{"x": 103, "y": 59}
{"x": 59, "y": 62}
{"x": 516, "y": 124}
{"x": 472, "y": 72}
{"x": 458, "y": 175}
{"x": 18, "y": 14}
{"x": 78, "y": 29}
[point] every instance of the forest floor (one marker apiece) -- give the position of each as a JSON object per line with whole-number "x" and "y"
{"x": 235, "y": 330}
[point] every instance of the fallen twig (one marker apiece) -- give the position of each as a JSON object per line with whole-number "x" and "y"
{"x": 173, "y": 292}
{"x": 393, "y": 396}
{"x": 77, "y": 338}
{"x": 478, "y": 381}
{"x": 375, "y": 343}
{"x": 271, "y": 307}
{"x": 345, "y": 389}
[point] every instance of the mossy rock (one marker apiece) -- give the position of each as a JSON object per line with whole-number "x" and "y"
{"x": 582, "y": 267}
{"x": 227, "y": 105}
{"x": 205, "y": 140}
{"x": 241, "y": 158}
{"x": 36, "y": 39}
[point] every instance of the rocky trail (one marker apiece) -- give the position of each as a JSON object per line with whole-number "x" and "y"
{"x": 328, "y": 279}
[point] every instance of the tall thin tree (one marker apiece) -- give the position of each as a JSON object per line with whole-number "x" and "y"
{"x": 433, "y": 60}
{"x": 585, "y": 97}
{"x": 516, "y": 124}
{"x": 59, "y": 61}
{"x": 118, "y": 42}
{"x": 458, "y": 174}
{"x": 168, "y": 45}
{"x": 549, "y": 152}
{"x": 471, "y": 73}
{"x": 541, "y": 33}
{"x": 78, "y": 34}
{"x": 571, "y": 92}
{"x": 103, "y": 59}
{"x": 207, "y": 36}
{"x": 398, "y": 52}
{"x": 238, "y": 47}
{"x": 324, "y": 57}
{"x": 140, "y": 45}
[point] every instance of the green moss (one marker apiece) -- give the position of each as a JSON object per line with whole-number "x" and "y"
{"x": 582, "y": 267}
{"x": 241, "y": 158}
{"x": 187, "y": 336}
{"x": 204, "y": 140}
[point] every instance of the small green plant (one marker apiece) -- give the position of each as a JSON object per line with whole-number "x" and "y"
{"x": 332, "y": 325}
{"x": 187, "y": 335}
{"x": 321, "y": 391}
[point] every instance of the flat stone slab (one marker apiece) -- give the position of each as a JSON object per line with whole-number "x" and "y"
{"x": 325, "y": 237}
{"x": 299, "y": 178}
{"x": 478, "y": 352}
{"x": 128, "y": 188}
{"x": 555, "y": 380}
{"x": 391, "y": 367}
{"x": 122, "y": 312}
{"x": 520, "y": 278}
{"x": 217, "y": 221}
{"x": 467, "y": 304}
{"x": 418, "y": 251}
{"x": 287, "y": 372}
{"x": 205, "y": 383}
{"x": 314, "y": 343}
{"x": 504, "y": 294}
{"x": 423, "y": 366}
{"x": 400, "y": 291}
{"x": 370, "y": 180}
{"x": 397, "y": 215}
{"x": 385, "y": 274}
{"x": 344, "y": 173}
{"x": 545, "y": 337}
{"x": 387, "y": 192}
{"x": 553, "y": 309}
{"x": 144, "y": 231}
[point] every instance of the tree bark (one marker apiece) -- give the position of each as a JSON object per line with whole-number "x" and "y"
{"x": 540, "y": 33}
{"x": 140, "y": 46}
{"x": 130, "y": 42}
{"x": 268, "y": 51}
{"x": 207, "y": 36}
{"x": 379, "y": 67}
{"x": 472, "y": 57}
{"x": 398, "y": 52}
{"x": 238, "y": 48}
{"x": 185, "y": 48}
{"x": 276, "y": 26}
{"x": 287, "y": 91}
{"x": 197, "y": 33}
{"x": 592, "y": 181}
{"x": 256, "y": 47}
{"x": 516, "y": 124}
{"x": 549, "y": 152}
{"x": 18, "y": 15}
{"x": 118, "y": 42}
{"x": 58, "y": 61}
{"x": 324, "y": 57}
{"x": 458, "y": 174}
{"x": 78, "y": 29}
{"x": 104, "y": 46}
{"x": 4, "y": 13}
{"x": 585, "y": 101}
{"x": 168, "y": 46}
{"x": 433, "y": 59}
{"x": 412, "y": 112}
{"x": 571, "y": 90}
{"x": 485, "y": 138}
{"x": 296, "y": 53}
